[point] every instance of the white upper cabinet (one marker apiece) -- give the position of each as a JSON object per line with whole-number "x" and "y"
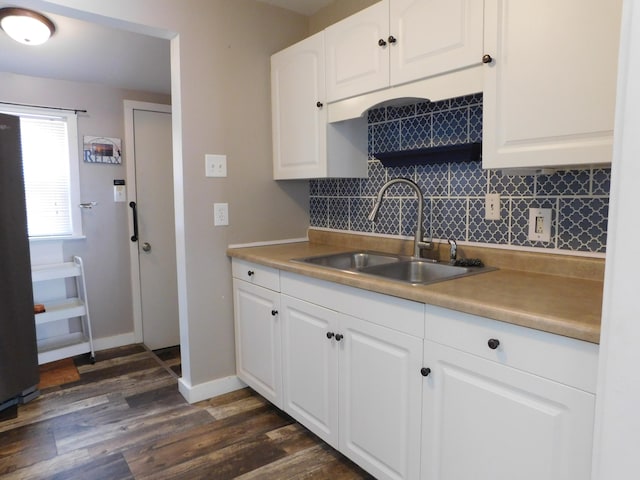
{"x": 549, "y": 91}
{"x": 399, "y": 41}
{"x": 434, "y": 37}
{"x": 297, "y": 89}
{"x": 304, "y": 144}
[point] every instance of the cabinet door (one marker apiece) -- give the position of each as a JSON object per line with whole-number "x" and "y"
{"x": 356, "y": 62}
{"x": 299, "y": 115}
{"x": 310, "y": 367}
{"x": 380, "y": 392}
{"x": 434, "y": 37}
{"x": 549, "y": 95}
{"x": 258, "y": 339}
{"x": 486, "y": 421}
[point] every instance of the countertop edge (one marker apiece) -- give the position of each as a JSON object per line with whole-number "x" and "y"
{"x": 430, "y": 294}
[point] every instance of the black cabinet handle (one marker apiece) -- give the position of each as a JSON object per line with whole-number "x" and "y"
{"x": 486, "y": 58}
{"x": 251, "y": 273}
{"x": 134, "y": 207}
{"x": 330, "y": 335}
{"x": 339, "y": 337}
{"x": 382, "y": 43}
{"x": 319, "y": 104}
{"x": 425, "y": 371}
{"x": 274, "y": 312}
{"x": 392, "y": 39}
{"x": 493, "y": 343}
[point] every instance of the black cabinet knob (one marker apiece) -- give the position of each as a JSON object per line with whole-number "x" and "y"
{"x": 382, "y": 43}
{"x": 319, "y": 104}
{"x": 330, "y": 335}
{"x": 251, "y": 273}
{"x": 274, "y": 312}
{"x": 425, "y": 371}
{"x": 392, "y": 39}
{"x": 339, "y": 337}
{"x": 493, "y": 343}
{"x": 486, "y": 58}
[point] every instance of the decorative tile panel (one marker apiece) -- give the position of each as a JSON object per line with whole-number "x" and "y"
{"x": 388, "y": 220}
{"x": 338, "y": 213}
{"x": 601, "y": 183}
{"x": 468, "y": 178}
{"x": 564, "y": 182}
{"x": 454, "y": 192}
{"x": 583, "y": 224}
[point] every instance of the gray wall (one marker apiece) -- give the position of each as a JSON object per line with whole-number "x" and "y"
{"x": 221, "y": 104}
{"x": 105, "y": 251}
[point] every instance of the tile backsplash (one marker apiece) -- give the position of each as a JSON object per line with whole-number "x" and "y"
{"x": 454, "y": 192}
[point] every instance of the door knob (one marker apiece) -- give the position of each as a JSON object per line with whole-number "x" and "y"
{"x": 146, "y": 247}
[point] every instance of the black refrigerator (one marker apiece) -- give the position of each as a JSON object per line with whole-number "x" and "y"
{"x": 18, "y": 351}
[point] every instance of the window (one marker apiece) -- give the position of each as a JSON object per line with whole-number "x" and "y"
{"x": 50, "y": 166}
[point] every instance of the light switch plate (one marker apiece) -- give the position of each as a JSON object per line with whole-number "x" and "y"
{"x": 540, "y": 224}
{"x": 119, "y": 193}
{"x": 492, "y": 206}
{"x": 215, "y": 165}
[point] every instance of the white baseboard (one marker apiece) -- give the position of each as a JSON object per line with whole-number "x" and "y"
{"x": 204, "y": 391}
{"x": 115, "y": 341}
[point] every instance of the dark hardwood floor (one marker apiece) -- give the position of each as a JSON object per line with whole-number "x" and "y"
{"x": 124, "y": 419}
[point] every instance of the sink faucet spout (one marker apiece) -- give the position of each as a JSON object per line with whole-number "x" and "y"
{"x": 418, "y": 242}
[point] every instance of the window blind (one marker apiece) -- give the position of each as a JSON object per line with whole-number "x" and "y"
{"x": 45, "y": 159}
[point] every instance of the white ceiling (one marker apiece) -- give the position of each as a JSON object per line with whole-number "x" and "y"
{"x": 86, "y": 52}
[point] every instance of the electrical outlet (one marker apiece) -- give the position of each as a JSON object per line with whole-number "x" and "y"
{"x": 492, "y": 206}
{"x": 215, "y": 165}
{"x": 540, "y": 224}
{"x": 220, "y": 214}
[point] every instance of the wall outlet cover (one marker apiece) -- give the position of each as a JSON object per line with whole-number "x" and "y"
{"x": 220, "y": 214}
{"x": 540, "y": 224}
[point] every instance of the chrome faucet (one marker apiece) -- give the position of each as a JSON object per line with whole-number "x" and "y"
{"x": 453, "y": 252}
{"x": 418, "y": 241}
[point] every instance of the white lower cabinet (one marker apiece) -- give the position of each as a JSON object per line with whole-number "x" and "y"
{"x": 353, "y": 382}
{"x": 258, "y": 339}
{"x": 483, "y": 419}
{"x": 411, "y": 391}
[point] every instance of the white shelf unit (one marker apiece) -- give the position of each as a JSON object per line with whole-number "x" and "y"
{"x": 64, "y": 309}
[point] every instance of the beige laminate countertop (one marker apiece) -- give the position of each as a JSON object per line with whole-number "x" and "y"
{"x": 557, "y": 304}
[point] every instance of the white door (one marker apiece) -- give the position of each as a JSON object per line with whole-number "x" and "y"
{"x": 310, "y": 366}
{"x": 380, "y": 398}
{"x": 434, "y": 37}
{"x": 156, "y": 247}
{"x": 485, "y": 421}
{"x": 258, "y": 339}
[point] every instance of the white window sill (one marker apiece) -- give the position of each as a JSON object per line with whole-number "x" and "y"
{"x": 56, "y": 239}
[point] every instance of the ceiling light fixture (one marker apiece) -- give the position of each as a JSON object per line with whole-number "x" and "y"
{"x": 26, "y": 26}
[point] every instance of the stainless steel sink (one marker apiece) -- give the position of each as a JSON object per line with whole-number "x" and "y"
{"x": 393, "y": 267}
{"x": 422, "y": 272}
{"x": 351, "y": 260}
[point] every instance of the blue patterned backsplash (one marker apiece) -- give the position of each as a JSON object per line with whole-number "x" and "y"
{"x": 454, "y": 192}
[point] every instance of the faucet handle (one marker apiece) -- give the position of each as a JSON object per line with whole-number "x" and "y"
{"x": 453, "y": 253}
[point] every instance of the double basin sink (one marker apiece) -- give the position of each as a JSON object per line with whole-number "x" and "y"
{"x": 415, "y": 271}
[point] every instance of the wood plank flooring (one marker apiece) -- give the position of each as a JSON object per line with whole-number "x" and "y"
{"x": 124, "y": 419}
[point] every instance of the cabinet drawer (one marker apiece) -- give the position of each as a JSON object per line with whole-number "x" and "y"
{"x": 562, "y": 359}
{"x": 392, "y": 312}
{"x": 256, "y": 274}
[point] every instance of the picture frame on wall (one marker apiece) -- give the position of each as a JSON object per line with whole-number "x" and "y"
{"x": 102, "y": 150}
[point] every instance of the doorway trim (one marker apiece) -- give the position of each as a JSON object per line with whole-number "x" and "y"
{"x": 130, "y": 160}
